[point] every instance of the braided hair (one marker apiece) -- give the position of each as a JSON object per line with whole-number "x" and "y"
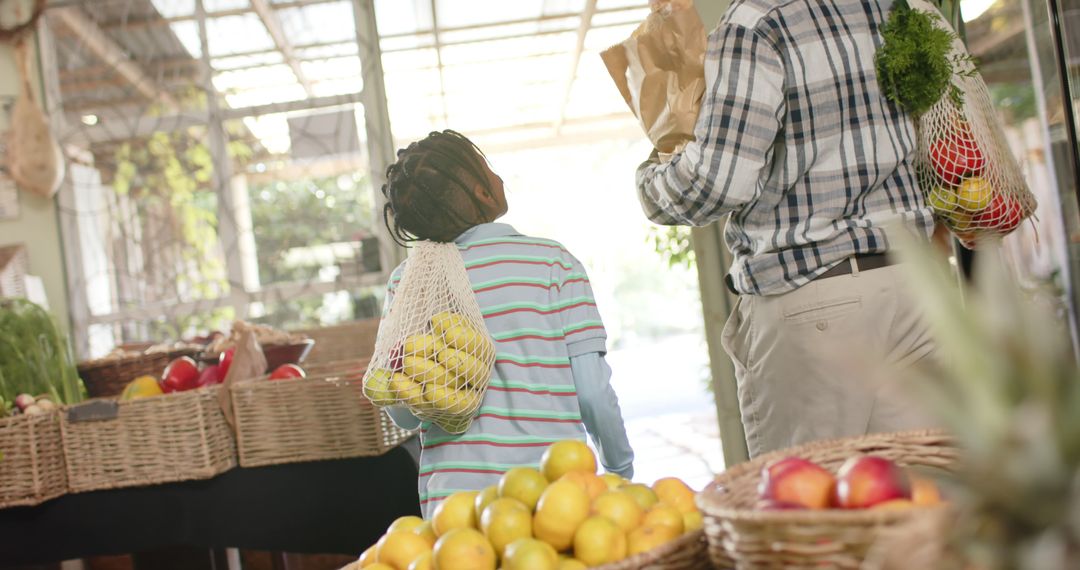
{"x": 430, "y": 190}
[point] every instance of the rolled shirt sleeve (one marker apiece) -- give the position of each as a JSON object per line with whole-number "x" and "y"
{"x": 724, "y": 167}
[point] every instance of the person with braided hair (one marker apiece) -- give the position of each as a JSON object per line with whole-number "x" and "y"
{"x": 550, "y": 381}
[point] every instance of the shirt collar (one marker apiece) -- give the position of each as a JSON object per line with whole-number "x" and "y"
{"x": 486, "y": 231}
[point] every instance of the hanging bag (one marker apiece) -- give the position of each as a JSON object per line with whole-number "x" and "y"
{"x": 433, "y": 352}
{"x": 965, "y": 167}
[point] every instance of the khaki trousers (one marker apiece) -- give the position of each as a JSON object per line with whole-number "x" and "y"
{"x": 827, "y": 360}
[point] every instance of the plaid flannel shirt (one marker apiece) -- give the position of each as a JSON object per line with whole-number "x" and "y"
{"x": 796, "y": 141}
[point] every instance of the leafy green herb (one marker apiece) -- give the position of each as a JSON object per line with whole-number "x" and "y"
{"x": 34, "y": 356}
{"x": 914, "y": 65}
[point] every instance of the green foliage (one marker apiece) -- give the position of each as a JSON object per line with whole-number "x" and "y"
{"x": 304, "y": 213}
{"x": 913, "y": 64}
{"x": 1016, "y": 99}
{"x": 35, "y": 357}
{"x": 673, "y": 244}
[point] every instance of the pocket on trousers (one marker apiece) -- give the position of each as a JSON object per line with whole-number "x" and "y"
{"x": 823, "y": 310}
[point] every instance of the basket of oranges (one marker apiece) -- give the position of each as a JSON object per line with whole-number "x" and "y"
{"x": 562, "y": 516}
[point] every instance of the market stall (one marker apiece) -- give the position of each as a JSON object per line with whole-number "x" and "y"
{"x": 209, "y": 207}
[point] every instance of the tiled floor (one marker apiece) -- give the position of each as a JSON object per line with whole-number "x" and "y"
{"x": 669, "y": 413}
{"x": 684, "y": 445}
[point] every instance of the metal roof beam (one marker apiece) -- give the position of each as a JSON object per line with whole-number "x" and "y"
{"x": 575, "y": 61}
{"x": 110, "y": 53}
{"x": 269, "y": 18}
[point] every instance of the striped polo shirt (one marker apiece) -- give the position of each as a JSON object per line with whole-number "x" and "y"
{"x": 539, "y": 307}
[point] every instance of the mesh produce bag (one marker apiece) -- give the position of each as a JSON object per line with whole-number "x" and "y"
{"x": 966, "y": 170}
{"x": 433, "y": 352}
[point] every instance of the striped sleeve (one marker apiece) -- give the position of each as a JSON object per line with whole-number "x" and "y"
{"x": 582, "y": 326}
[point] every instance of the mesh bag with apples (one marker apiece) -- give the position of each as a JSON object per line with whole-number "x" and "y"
{"x": 965, "y": 168}
{"x": 433, "y": 352}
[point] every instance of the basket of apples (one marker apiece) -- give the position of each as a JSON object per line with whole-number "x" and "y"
{"x": 823, "y": 504}
{"x": 159, "y": 429}
{"x": 309, "y": 414}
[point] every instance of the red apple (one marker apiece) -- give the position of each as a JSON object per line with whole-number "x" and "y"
{"x": 397, "y": 358}
{"x": 863, "y": 482}
{"x": 286, "y": 371}
{"x": 956, "y": 157}
{"x": 23, "y": 401}
{"x": 181, "y": 374}
{"x": 225, "y": 361}
{"x": 798, "y": 481}
{"x": 211, "y": 375}
{"x": 1003, "y": 214}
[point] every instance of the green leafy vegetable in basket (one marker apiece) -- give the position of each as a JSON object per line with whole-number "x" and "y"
{"x": 34, "y": 355}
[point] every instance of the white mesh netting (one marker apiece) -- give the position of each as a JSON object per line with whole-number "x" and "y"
{"x": 433, "y": 352}
{"x": 966, "y": 170}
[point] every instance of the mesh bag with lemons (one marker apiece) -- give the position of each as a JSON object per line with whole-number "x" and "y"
{"x": 433, "y": 353}
{"x": 965, "y": 167}
{"x": 562, "y": 516}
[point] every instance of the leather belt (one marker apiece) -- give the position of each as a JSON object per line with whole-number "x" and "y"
{"x": 866, "y": 262}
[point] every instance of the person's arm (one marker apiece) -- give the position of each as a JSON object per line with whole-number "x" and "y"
{"x": 600, "y": 413}
{"x": 741, "y": 114}
{"x": 586, "y": 344}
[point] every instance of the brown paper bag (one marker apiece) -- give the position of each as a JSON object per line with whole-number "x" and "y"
{"x": 248, "y": 362}
{"x": 660, "y": 72}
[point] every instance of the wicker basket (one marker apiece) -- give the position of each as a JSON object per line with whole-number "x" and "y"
{"x": 107, "y": 377}
{"x": 160, "y": 439}
{"x": 742, "y": 537}
{"x": 32, "y": 467}
{"x": 323, "y": 416}
{"x": 348, "y": 341}
{"x": 687, "y": 552}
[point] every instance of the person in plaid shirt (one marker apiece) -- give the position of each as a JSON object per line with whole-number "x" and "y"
{"x": 796, "y": 143}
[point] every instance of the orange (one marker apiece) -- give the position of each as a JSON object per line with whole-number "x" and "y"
{"x": 675, "y": 493}
{"x": 646, "y": 538}
{"x": 664, "y": 515}
{"x": 524, "y": 484}
{"x": 398, "y": 549}
{"x": 693, "y": 521}
{"x": 464, "y": 549}
{"x": 924, "y": 492}
{"x": 504, "y": 521}
{"x": 591, "y": 482}
{"x": 426, "y": 532}
{"x": 566, "y": 456}
{"x": 620, "y": 508}
{"x": 484, "y": 498}
{"x": 421, "y": 563}
{"x": 530, "y": 554}
{"x": 599, "y": 541}
{"x": 456, "y": 511}
{"x": 644, "y": 496}
{"x": 613, "y": 481}
{"x": 561, "y": 509}
{"x": 405, "y": 523}
{"x": 567, "y": 563}
{"x": 367, "y": 558}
